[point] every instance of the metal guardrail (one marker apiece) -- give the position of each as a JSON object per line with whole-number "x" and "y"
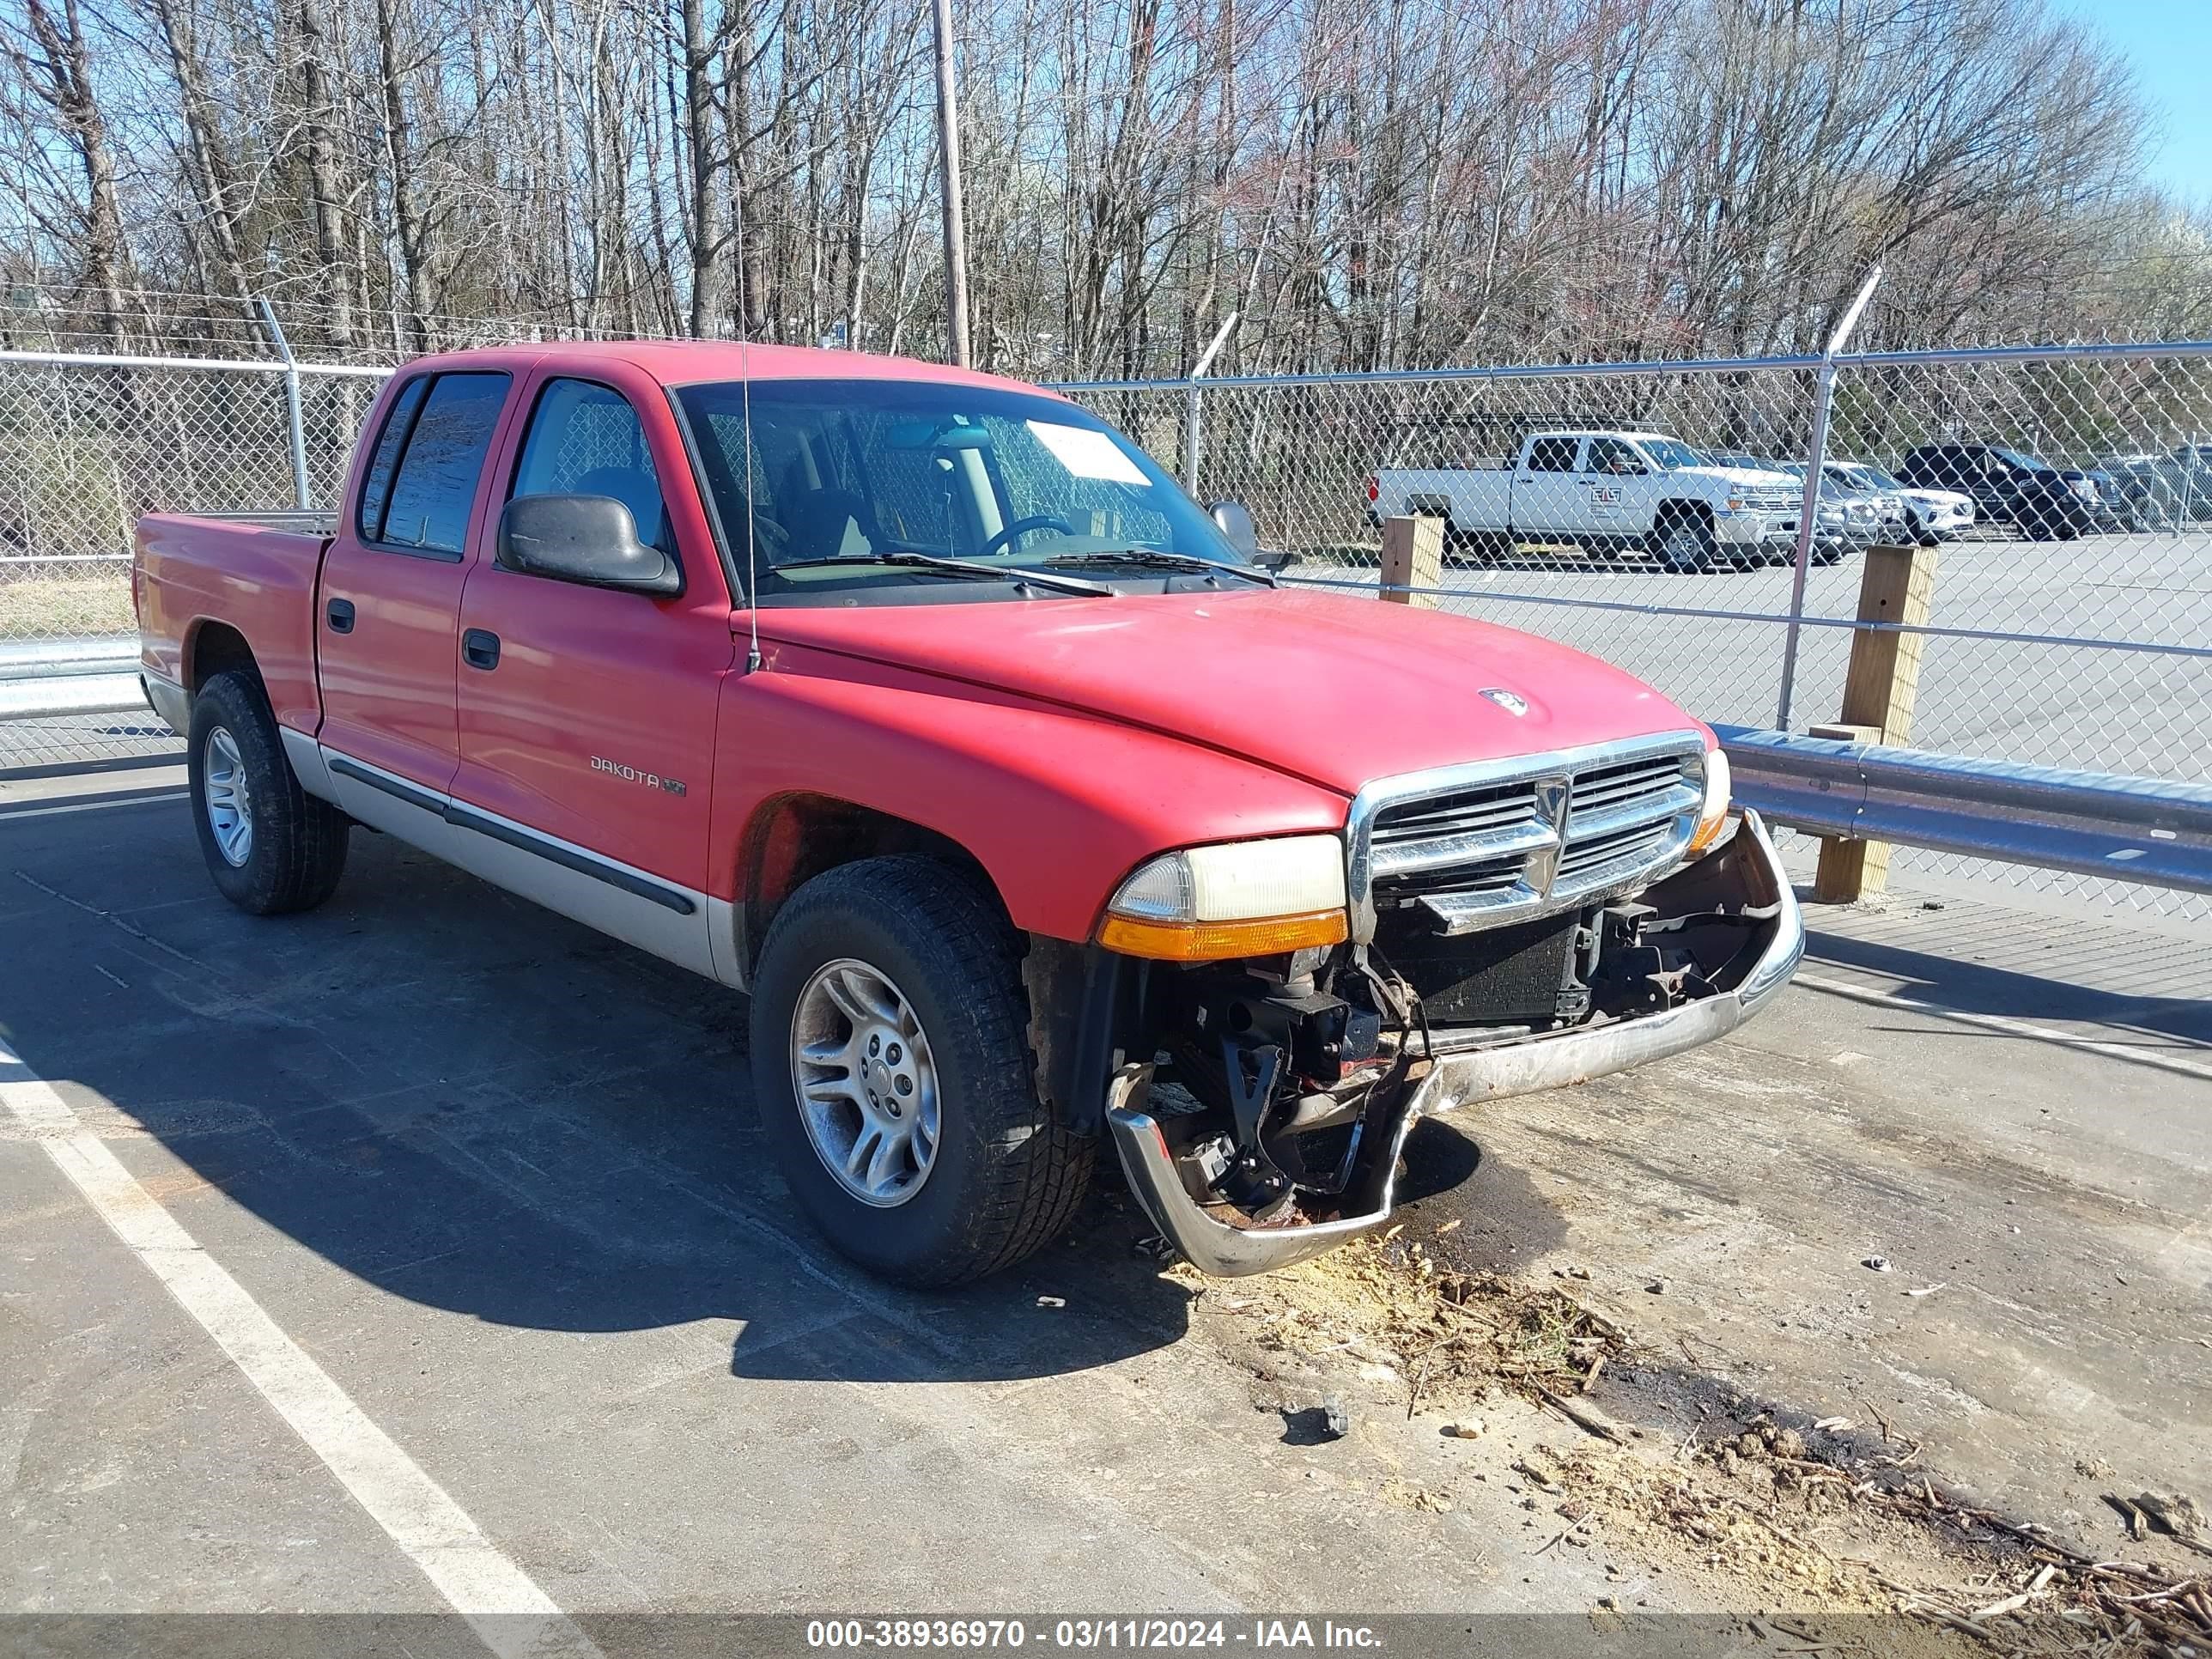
{"x": 48, "y": 659}
{"x": 48, "y": 679}
{"x": 77, "y": 694}
{"x": 2139, "y": 829}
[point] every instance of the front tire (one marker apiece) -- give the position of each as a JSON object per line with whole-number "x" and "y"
{"x": 898, "y": 1091}
{"x": 271, "y": 848}
{"x": 1685, "y": 544}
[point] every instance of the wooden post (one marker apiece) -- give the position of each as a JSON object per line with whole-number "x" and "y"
{"x": 1898, "y": 586}
{"x": 1412, "y": 556}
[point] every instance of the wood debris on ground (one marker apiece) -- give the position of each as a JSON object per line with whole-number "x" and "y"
{"x": 1453, "y": 1336}
{"x": 1761, "y": 1502}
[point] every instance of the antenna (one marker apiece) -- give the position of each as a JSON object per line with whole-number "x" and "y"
{"x": 745, "y": 397}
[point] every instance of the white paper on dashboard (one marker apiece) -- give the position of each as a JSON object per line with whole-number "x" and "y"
{"x": 1088, "y": 454}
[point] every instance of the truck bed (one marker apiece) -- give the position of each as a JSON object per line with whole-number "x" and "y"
{"x": 1471, "y": 497}
{"x": 256, "y": 572}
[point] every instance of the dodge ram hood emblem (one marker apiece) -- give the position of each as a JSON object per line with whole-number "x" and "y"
{"x": 1505, "y": 699}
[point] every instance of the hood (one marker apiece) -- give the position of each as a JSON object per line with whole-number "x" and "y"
{"x": 1751, "y": 478}
{"x": 1938, "y": 498}
{"x": 1333, "y": 689}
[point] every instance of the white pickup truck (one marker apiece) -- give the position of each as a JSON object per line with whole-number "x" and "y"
{"x": 1607, "y": 491}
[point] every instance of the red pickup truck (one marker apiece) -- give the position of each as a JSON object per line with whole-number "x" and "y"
{"x": 1028, "y": 809}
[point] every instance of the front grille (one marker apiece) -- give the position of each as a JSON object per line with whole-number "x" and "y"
{"x": 1458, "y": 853}
{"x": 1636, "y": 783}
{"x": 1769, "y": 501}
{"x": 1584, "y": 860}
{"x": 1425, "y": 832}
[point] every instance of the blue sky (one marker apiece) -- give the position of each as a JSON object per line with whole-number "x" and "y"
{"x": 2169, "y": 43}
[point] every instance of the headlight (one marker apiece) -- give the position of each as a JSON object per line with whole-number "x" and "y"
{"x": 1712, "y": 812}
{"x": 1249, "y": 898}
{"x": 2085, "y": 488}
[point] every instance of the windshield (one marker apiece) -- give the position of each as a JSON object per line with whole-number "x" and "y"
{"x": 854, "y": 470}
{"x": 1874, "y": 476}
{"x": 1669, "y": 454}
{"x": 2016, "y": 457}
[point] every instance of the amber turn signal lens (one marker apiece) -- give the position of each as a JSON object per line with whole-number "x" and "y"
{"x": 1713, "y": 812}
{"x": 1223, "y": 941}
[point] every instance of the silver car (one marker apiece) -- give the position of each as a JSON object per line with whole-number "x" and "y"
{"x": 1926, "y": 516}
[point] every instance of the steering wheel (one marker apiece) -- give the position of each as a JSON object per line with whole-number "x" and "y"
{"x": 1022, "y": 527}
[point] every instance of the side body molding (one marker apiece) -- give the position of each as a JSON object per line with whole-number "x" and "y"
{"x": 672, "y": 921}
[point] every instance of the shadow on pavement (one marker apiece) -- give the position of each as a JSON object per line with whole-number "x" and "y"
{"x": 1505, "y": 1224}
{"x": 1971, "y": 987}
{"x": 466, "y": 1102}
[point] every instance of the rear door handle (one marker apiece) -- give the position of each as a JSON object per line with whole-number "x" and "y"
{"x": 340, "y": 612}
{"x": 480, "y": 649}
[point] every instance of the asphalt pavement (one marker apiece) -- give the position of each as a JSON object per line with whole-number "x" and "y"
{"x": 428, "y": 1234}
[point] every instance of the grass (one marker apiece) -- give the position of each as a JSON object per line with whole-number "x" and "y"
{"x": 54, "y": 607}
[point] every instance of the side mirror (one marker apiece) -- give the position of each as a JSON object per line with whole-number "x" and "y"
{"x": 591, "y": 539}
{"x": 1236, "y": 524}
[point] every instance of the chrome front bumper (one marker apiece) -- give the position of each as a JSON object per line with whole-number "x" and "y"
{"x": 1458, "y": 1076}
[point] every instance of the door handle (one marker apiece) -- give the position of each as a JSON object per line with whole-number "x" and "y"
{"x": 480, "y": 649}
{"x": 340, "y": 612}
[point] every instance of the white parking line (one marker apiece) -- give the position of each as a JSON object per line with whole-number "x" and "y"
{"x": 1881, "y": 999}
{"x": 107, "y": 804}
{"x": 509, "y": 1612}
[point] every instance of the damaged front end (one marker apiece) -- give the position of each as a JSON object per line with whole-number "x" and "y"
{"x": 1261, "y": 1106}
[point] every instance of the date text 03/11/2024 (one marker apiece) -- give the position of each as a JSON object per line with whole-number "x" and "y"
{"x": 1258, "y": 1635}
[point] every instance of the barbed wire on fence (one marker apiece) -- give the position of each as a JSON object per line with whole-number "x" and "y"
{"x": 51, "y": 315}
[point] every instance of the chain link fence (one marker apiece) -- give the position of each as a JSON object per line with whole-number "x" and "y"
{"x": 1649, "y": 514}
{"x": 88, "y": 443}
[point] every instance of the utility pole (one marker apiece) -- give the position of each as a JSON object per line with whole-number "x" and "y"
{"x": 955, "y": 235}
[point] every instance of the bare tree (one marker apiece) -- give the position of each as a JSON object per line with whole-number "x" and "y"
{"x": 54, "y": 64}
{"x": 1365, "y": 182}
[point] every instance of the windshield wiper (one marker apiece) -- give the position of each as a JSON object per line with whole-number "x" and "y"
{"x": 934, "y": 565}
{"x": 1154, "y": 558}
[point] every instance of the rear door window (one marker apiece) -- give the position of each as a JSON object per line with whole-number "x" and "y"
{"x": 434, "y": 486}
{"x": 1553, "y": 454}
{"x": 376, "y": 488}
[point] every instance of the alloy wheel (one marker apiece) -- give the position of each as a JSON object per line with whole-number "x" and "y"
{"x": 867, "y": 1084}
{"x": 229, "y": 799}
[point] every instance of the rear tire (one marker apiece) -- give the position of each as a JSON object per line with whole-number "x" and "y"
{"x": 270, "y": 847}
{"x": 915, "y": 947}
